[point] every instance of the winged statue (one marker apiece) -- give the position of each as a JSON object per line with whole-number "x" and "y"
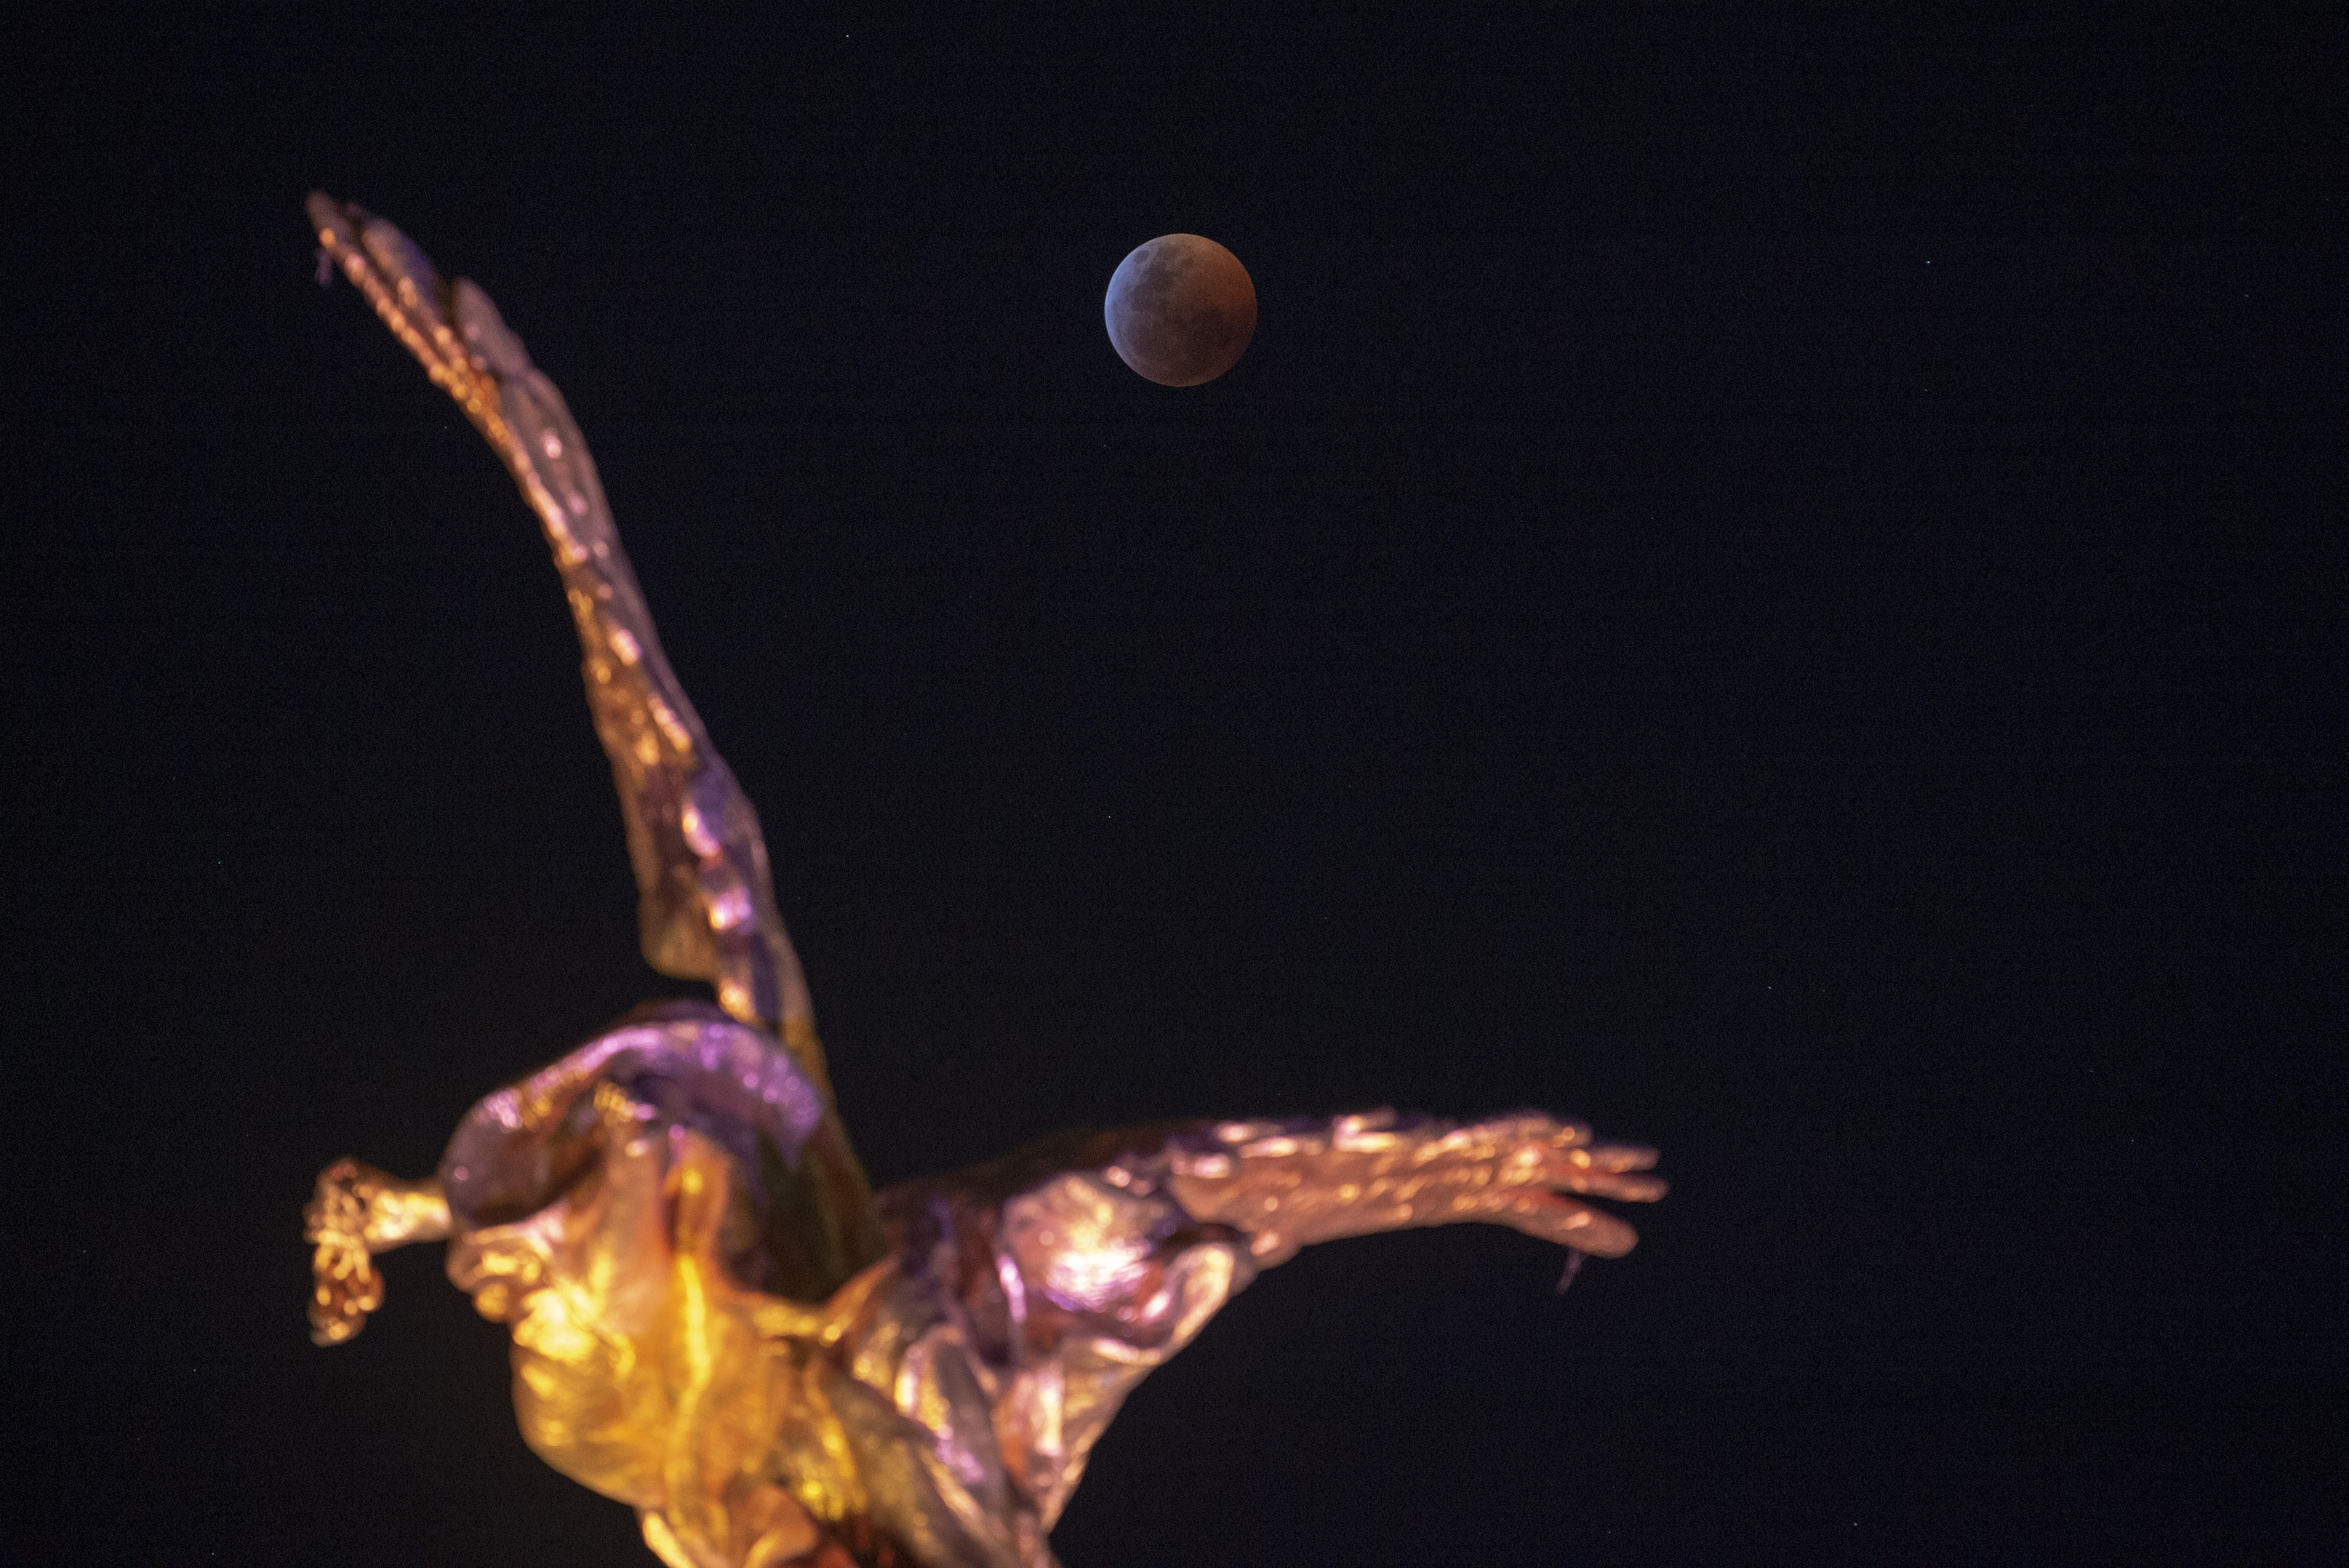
{"x": 714, "y": 1318}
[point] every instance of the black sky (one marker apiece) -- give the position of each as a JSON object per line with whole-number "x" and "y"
{"x": 1774, "y": 585}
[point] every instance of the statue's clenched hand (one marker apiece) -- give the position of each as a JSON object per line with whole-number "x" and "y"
{"x": 356, "y": 1212}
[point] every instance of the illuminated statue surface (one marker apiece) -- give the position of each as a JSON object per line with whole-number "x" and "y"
{"x": 714, "y": 1319}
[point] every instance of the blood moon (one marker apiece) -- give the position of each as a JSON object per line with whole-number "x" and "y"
{"x": 1181, "y": 310}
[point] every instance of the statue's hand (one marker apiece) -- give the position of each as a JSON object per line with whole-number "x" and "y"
{"x": 357, "y": 1211}
{"x": 1290, "y": 1185}
{"x": 345, "y": 1286}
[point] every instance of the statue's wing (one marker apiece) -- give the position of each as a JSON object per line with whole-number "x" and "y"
{"x": 707, "y": 906}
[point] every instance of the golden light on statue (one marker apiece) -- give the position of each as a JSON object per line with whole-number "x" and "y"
{"x": 714, "y": 1319}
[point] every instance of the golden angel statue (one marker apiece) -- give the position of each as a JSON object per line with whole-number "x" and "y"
{"x": 714, "y": 1318}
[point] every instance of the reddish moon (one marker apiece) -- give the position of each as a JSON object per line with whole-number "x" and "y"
{"x": 1180, "y": 310}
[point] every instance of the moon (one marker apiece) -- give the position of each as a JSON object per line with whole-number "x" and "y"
{"x": 1181, "y": 310}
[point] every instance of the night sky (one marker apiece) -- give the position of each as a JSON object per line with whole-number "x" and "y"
{"x": 1773, "y": 586}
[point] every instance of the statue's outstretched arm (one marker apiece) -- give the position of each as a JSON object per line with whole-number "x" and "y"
{"x": 356, "y": 1212}
{"x": 1074, "y": 1266}
{"x": 1291, "y": 1184}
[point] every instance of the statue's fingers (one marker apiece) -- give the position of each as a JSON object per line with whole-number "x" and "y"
{"x": 345, "y": 1288}
{"x": 1609, "y": 1170}
{"x": 1569, "y": 1222}
{"x": 1629, "y": 1187}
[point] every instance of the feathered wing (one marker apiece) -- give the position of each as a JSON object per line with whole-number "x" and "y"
{"x": 706, "y": 908}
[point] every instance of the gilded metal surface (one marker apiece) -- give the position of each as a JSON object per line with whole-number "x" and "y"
{"x": 712, "y": 1318}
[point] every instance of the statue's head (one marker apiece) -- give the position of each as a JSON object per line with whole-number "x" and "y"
{"x": 667, "y": 1065}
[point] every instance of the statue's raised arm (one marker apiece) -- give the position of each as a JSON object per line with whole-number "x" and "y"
{"x": 706, "y": 902}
